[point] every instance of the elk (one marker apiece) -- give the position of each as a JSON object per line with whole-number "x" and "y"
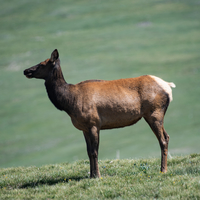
{"x": 95, "y": 105}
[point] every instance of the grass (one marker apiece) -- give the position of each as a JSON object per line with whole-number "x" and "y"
{"x": 121, "y": 179}
{"x": 96, "y": 40}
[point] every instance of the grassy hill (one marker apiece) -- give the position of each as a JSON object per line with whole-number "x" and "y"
{"x": 121, "y": 179}
{"x": 96, "y": 40}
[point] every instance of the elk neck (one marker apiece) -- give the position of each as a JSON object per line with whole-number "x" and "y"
{"x": 58, "y": 91}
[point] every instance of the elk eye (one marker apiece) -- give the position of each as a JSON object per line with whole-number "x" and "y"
{"x": 38, "y": 67}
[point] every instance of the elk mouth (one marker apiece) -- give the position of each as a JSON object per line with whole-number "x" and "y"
{"x": 29, "y": 76}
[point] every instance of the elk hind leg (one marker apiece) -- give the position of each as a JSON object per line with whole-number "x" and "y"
{"x": 155, "y": 121}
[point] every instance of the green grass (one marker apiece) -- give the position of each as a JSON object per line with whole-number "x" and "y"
{"x": 106, "y": 39}
{"x": 121, "y": 179}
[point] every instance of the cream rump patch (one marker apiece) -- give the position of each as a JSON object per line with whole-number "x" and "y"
{"x": 165, "y": 85}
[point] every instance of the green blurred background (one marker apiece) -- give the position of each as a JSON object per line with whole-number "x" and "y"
{"x": 107, "y": 39}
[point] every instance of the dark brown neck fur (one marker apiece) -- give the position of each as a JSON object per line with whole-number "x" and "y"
{"x": 59, "y": 91}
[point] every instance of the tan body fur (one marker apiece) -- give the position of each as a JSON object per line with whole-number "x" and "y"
{"x": 95, "y": 105}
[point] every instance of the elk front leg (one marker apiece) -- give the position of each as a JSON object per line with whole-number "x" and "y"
{"x": 92, "y": 141}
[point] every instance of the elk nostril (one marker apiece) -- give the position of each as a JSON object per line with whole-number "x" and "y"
{"x": 26, "y": 72}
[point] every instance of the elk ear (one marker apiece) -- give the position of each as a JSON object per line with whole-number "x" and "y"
{"x": 54, "y": 55}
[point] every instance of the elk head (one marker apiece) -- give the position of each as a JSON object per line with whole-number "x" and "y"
{"x": 43, "y": 69}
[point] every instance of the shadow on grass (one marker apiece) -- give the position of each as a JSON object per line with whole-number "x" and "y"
{"x": 50, "y": 181}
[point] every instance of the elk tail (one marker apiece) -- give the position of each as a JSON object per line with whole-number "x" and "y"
{"x": 172, "y": 85}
